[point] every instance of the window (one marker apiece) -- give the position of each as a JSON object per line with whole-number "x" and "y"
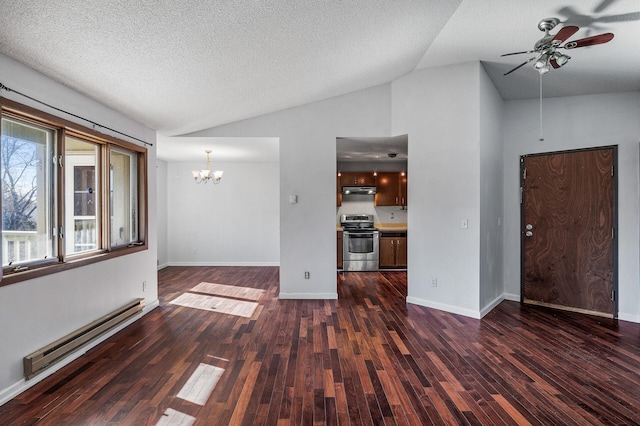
{"x": 82, "y": 196}
{"x": 28, "y": 204}
{"x": 70, "y": 195}
{"x": 123, "y": 202}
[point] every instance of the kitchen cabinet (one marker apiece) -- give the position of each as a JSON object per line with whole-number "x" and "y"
{"x": 338, "y": 191}
{"x": 357, "y": 179}
{"x": 393, "y": 250}
{"x": 391, "y": 189}
{"x": 339, "y": 249}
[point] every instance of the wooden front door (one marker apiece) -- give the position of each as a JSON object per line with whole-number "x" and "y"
{"x": 568, "y": 230}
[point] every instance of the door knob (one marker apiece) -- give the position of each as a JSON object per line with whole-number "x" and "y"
{"x": 528, "y": 233}
{"x": 529, "y": 227}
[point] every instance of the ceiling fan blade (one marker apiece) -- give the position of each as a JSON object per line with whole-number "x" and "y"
{"x": 521, "y": 65}
{"x": 518, "y": 53}
{"x": 564, "y": 34}
{"x": 589, "y": 41}
{"x": 603, "y": 5}
{"x": 625, "y": 17}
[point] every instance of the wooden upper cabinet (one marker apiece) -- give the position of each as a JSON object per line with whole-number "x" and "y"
{"x": 391, "y": 189}
{"x": 388, "y": 189}
{"x": 338, "y": 190}
{"x": 403, "y": 189}
{"x": 358, "y": 179}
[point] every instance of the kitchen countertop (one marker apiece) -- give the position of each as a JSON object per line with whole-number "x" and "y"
{"x": 397, "y": 227}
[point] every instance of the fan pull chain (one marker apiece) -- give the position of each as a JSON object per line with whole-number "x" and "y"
{"x": 541, "y": 138}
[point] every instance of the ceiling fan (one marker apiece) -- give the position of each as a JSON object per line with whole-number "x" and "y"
{"x": 547, "y": 54}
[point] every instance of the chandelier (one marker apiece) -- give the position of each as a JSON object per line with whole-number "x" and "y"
{"x": 204, "y": 176}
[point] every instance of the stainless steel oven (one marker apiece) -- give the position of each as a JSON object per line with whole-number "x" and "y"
{"x": 360, "y": 243}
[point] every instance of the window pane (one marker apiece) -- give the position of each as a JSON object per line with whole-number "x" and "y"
{"x": 124, "y": 197}
{"x": 27, "y": 192}
{"x": 82, "y": 196}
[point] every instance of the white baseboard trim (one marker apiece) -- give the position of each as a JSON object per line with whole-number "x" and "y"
{"x": 164, "y": 265}
{"x": 22, "y": 385}
{"x": 628, "y": 317}
{"x": 223, "y": 264}
{"x": 489, "y": 307}
{"x": 308, "y": 296}
{"x": 512, "y": 297}
{"x": 444, "y": 307}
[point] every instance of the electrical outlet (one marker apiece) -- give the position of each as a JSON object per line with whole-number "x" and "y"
{"x": 194, "y": 250}
{"x": 306, "y": 275}
{"x": 434, "y": 282}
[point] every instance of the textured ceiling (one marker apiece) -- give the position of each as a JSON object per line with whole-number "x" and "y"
{"x": 183, "y": 66}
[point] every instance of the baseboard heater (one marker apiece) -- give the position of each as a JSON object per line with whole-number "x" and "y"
{"x": 43, "y": 358}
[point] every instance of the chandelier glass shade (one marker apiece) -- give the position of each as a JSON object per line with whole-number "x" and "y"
{"x": 204, "y": 176}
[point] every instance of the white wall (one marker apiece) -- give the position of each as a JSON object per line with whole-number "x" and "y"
{"x": 161, "y": 210}
{"x": 36, "y": 312}
{"x": 236, "y": 222}
{"x": 308, "y": 169}
{"x": 439, "y": 108}
{"x": 491, "y": 194}
{"x": 572, "y": 123}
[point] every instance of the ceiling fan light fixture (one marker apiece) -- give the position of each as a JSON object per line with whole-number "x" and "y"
{"x": 544, "y": 69}
{"x": 542, "y": 62}
{"x": 560, "y": 59}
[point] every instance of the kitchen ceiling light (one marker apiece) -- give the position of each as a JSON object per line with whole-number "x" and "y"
{"x": 204, "y": 176}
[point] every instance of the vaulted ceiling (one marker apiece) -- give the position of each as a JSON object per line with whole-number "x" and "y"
{"x": 182, "y": 66}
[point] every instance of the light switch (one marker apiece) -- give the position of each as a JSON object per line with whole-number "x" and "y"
{"x": 464, "y": 224}
{"x": 293, "y": 199}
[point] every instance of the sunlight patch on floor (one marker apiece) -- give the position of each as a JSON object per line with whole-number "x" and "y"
{"x": 246, "y": 293}
{"x": 216, "y": 304}
{"x": 201, "y": 383}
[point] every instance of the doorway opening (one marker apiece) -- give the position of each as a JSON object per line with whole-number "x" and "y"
{"x": 372, "y": 186}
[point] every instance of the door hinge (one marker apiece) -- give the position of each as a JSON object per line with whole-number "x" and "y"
{"x": 612, "y": 171}
{"x": 521, "y": 194}
{"x": 524, "y": 174}
{"x": 613, "y": 233}
{"x": 613, "y": 295}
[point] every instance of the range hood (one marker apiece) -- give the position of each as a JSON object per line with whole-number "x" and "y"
{"x": 367, "y": 190}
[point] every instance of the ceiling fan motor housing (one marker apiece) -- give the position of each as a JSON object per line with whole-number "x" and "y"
{"x": 548, "y": 24}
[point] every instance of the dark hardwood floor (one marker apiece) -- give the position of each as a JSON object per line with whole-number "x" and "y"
{"x": 367, "y": 358}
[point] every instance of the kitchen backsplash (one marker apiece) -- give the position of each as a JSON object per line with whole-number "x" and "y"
{"x": 364, "y": 204}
